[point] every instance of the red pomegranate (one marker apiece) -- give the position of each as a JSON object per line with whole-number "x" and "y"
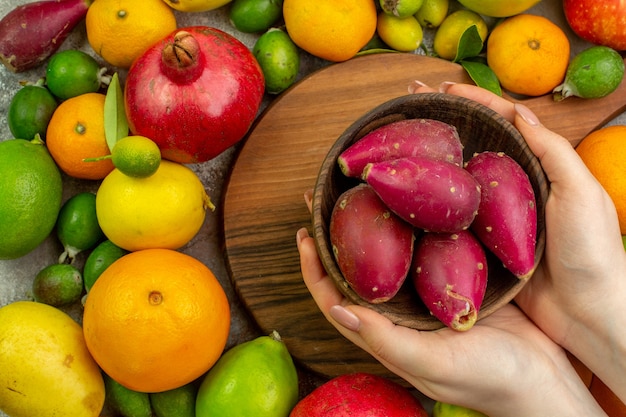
{"x": 195, "y": 93}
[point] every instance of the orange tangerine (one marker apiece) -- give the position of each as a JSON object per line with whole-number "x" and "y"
{"x": 75, "y": 133}
{"x": 156, "y": 319}
{"x": 529, "y": 54}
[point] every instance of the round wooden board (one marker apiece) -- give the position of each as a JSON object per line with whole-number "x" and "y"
{"x": 263, "y": 202}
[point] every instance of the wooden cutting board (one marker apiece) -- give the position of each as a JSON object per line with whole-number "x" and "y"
{"x": 263, "y": 203}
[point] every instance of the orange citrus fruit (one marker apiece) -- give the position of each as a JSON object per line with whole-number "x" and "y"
{"x": 121, "y": 30}
{"x": 75, "y": 133}
{"x": 156, "y": 319}
{"x": 329, "y": 29}
{"x": 529, "y": 54}
{"x": 604, "y": 153}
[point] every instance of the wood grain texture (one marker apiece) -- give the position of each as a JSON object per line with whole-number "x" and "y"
{"x": 263, "y": 202}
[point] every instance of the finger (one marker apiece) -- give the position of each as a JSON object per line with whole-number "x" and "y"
{"x": 482, "y": 96}
{"x": 308, "y": 199}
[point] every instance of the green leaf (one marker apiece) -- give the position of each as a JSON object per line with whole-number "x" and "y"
{"x": 482, "y": 75}
{"x": 115, "y": 122}
{"x": 470, "y": 44}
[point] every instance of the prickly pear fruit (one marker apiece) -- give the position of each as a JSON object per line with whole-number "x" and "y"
{"x": 373, "y": 247}
{"x": 410, "y": 137}
{"x": 432, "y": 195}
{"x": 506, "y": 222}
{"x": 449, "y": 272}
{"x": 359, "y": 394}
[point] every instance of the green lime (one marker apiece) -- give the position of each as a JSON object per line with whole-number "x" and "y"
{"x": 432, "y": 13}
{"x": 448, "y": 410}
{"x": 401, "y": 8}
{"x": 401, "y": 34}
{"x": 58, "y": 285}
{"x": 594, "y": 73}
{"x": 77, "y": 225}
{"x": 71, "y": 73}
{"x": 179, "y": 402}
{"x": 446, "y": 40}
{"x": 279, "y": 60}
{"x": 100, "y": 259}
{"x": 255, "y": 378}
{"x": 30, "y": 111}
{"x": 127, "y": 402}
{"x": 31, "y": 191}
{"x": 253, "y": 16}
{"x": 136, "y": 156}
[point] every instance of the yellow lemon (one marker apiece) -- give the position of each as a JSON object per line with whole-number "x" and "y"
{"x": 196, "y": 5}
{"x": 165, "y": 210}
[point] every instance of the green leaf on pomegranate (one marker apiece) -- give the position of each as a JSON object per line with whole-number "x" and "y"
{"x": 115, "y": 122}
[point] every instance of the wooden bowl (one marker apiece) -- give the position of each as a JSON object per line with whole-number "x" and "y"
{"x": 480, "y": 129}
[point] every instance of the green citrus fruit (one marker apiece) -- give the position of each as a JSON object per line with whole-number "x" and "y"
{"x": 594, "y": 73}
{"x": 127, "y": 402}
{"x": 31, "y": 191}
{"x": 279, "y": 60}
{"x": 446, "y": 40}
{"x": 253, "y": 16}
{"x": 401, "y": 34}
{"x": 100, "y": 259}
{"x": 77, "y": 225}
{"x": 448, "y": 410}
{"x": 432, "y": 13}
{"x": 401, "y": 8}
{"x": 30, "y": 111}
{"x": 255, "y": 378}
{"x": 178, "y": 402}
{"x": 71, "y": 73}
{"x": 58, "y": 285}
{"x": 136, "y": 156}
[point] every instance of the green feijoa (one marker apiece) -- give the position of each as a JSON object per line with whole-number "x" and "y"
{"x": 72, "y": 72}
{"x": 30, "y": 111}
{"x": 100, "y": 258}
{"x": 77, "y": 226}
{"x": 253, "y": 16}
{"x": 279, "y": 60}
{"x": 126, "y": 402}
{"x": 178, "y": 402}
{"x": 593, "y": 73}
{"x": 432, "y": 13}
{"x": 58, "y": 285}
{"x": 401, "y": 8}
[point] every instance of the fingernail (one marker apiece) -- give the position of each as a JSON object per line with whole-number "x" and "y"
{"x": 443, "y": 87}
{"x": 415, "y": 85}
{"x": 301, "y": 234}
{"x": 526, "y": 114}
{"x": 308, "y": 196}
{"x": 345, "y": 317}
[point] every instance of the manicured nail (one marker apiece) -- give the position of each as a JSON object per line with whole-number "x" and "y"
{"x": 345, "y": 317}
{"x": 308, "y": 196}
{"x": 415, "y": 85}
{"x": 443, "y": 87}
{"x": 301, "y": 234}
{"x": 526, "y": 114}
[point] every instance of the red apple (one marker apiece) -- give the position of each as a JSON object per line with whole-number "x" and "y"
{"x": 599, "y": 22}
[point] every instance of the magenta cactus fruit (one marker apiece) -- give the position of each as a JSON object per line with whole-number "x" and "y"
{"x": 372, "y": 246}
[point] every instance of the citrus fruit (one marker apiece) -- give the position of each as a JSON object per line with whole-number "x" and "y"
{"x": 593, "y": 73}
{"x": 529, "y": 54}
{"x": 77, "y": 226}
{"x": 402, "y": 34}
{"x": 121, "y": 30}
{"x": 58, "y": 285}
{"x": 331, "y": 30}
{"x": 165, "y": 210}
{"x": 46, "y": 368}
{"x": 196, "y": 5}
{"x": 604, "y": 153}
{"x": 99, "y": 259}
{"x": 446, "y": 40}
{"x": 441, "y": 409}
{"x": 136, "y": 156}
{"x": 71, "y": 73}
{"x": 177, "y": 402}
{"x": 499, "y": 8}
{"x": 251, "y": 16}
{"x": 31, "y": 191}
{"x": 432, "y": 13}
{"x": 401, "y": 8}
{"x": 76, "y": 133}
{"x": 156, "y": 319}
{"x": 30, "y": 111}
{"x": 279, "y": 60}
{"x": 126, "y": 402}
{"x": 255, "y": 378}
